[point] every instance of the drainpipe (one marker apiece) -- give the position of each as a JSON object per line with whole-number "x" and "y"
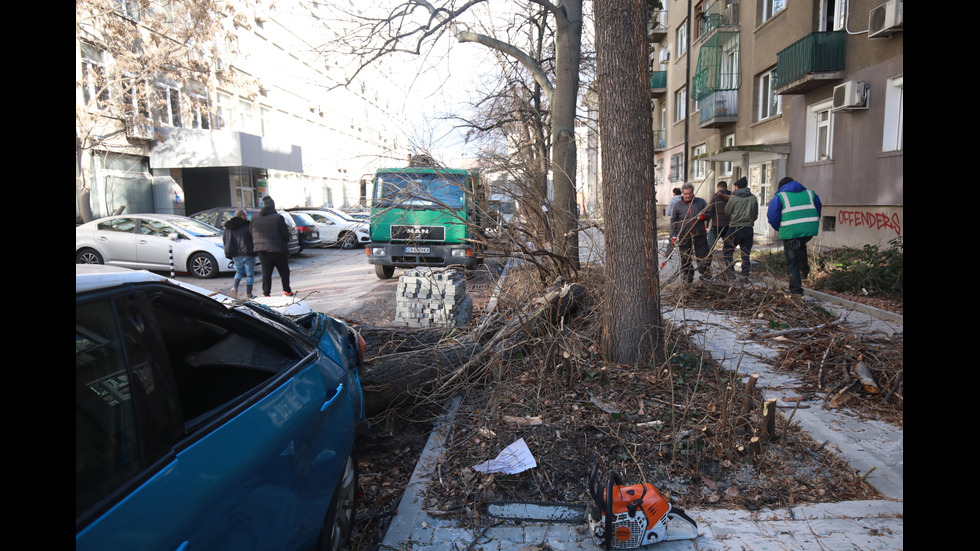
{"x": 687, "y": 84}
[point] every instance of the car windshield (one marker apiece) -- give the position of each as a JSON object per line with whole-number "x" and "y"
{"x": 195, "y": 227}
{"x": 419, "y": 190}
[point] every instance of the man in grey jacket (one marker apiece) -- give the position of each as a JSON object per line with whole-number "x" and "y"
{"x": 743, "y": 208}
{"x": 687, "y": 223}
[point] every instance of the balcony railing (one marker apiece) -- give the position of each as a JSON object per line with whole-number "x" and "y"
{"x": 720, "y": 13}
{"x": 658, "y": 80}
{"x": 816, "y": 53}
{"x": 659, "y": 140}
{"x": 719, "y": 108}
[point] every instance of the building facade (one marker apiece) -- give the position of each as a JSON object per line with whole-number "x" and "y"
{"x": 810, "y": 89}
{"x": 273, "y": 117}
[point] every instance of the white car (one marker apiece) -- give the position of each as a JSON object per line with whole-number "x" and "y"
{"x": 153, "y": 242}
{"x": 337, "y": 230}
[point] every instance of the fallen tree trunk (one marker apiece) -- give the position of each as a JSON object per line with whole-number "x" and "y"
{"x": 399, "y": 378}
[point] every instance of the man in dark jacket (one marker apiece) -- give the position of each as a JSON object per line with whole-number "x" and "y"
{"x": 687, "y": 221}
{"x": 270, "y": 236}
{"x": 743, "y": 210}
{"x": 795, "y": 212}
{"x": 238, "y": 248}
{"x": 718, "y": 217}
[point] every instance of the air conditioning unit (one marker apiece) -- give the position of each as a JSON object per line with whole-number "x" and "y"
{"x": 851, "y": 95}
{"x": 138, "y": 128}
{"x": 885, "y": 20}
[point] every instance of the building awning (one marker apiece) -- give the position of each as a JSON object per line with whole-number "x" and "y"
{"x": 194, "y": 148}
{"x": 749, "y": 154}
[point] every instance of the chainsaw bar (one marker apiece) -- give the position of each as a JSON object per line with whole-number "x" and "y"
{"x": 538, "y": 511}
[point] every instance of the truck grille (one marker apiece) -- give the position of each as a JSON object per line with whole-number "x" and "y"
{"x": 418, "y": 233}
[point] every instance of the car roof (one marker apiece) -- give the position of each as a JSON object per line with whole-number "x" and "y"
{"x": 94, "y": 277}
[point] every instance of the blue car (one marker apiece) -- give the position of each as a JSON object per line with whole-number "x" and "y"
{"x": 208, "y": 425}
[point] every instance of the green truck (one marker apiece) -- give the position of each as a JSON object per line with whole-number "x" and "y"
{"x": 423, "y": 215}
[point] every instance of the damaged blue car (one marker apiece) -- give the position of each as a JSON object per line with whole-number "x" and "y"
{"x": 202, "y": 424}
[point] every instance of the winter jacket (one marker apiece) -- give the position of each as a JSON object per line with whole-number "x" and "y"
{"x": 270, "y": 234}
{"x": 716, "y": 209}
{"x": 743, "y": 208}
{"x": 794, "y": 211}
{"x": 683, "y": 219}
{"x": 238, "y": 238}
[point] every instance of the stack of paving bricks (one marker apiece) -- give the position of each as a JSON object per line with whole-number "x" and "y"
{"x": 427, "y": 298}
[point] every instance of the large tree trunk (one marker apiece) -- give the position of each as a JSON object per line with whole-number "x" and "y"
{"x": 568, "y": 54}
{"x": 632, "y": 323}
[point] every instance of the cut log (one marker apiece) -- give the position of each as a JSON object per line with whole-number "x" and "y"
{"x": 863, "y": 373}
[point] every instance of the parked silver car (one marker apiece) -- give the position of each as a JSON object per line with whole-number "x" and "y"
{"x": 153, "y": 242}
{"x": 337, "y": 230}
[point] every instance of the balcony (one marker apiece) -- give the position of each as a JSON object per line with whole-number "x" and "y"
{"x": 811, "y": 62}
{"x": 719, "y": 109}
{"x": 657, "y": 28}
{"x": 658, "y": 83}
{"x": 659, "y": 140}
{"x": 720, "y": 14}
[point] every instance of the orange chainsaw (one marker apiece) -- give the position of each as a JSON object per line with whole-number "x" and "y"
{"x": 628, "y": 517}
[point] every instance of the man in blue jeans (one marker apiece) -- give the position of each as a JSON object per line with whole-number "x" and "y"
{"x": 238, "y": 248}
{"x": 743, "y": 209}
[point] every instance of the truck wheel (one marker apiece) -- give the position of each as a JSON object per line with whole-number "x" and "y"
{"x": 384, "y": 272}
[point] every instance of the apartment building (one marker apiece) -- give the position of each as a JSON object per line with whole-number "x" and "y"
{"x": 272, "y": 119}
{"x": 811, "y": 89}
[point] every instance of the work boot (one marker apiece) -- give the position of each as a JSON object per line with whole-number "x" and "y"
{"x": 234, "y": 293}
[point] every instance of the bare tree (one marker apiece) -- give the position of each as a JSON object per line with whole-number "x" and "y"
{"x": 632, "y": 323}
{"x": 139, "y": 62}
{"x": 412, "y": 26}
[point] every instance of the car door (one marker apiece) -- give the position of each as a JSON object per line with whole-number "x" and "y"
{"x": 266, "y": 424}
{"x": 153, "y": 245}
{"x": 329, "y": 231}
{"x": 116, "y": 237}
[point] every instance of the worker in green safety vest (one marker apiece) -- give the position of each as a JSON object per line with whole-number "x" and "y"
{"x": 795, "y": 212}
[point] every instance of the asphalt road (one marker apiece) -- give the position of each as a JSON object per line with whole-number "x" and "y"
{"x": 330, "y": 280}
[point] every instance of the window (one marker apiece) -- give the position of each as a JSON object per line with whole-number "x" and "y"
{"x": 893, "y": 138}
{"x": 832, "y": 13}
{"x": 166, "y": 105}
{"x": 94, "y": 84}
{"x": 680, "y": 104}
{"x": 136, "y": 98}
{"x": 699, "y": 168}
{"x": 770, "y": 8}
{"x": 246, "y": 118}
{"x": 200, "y": 107}
{"x": 677, "y": 167}
{"x": 223, "y": 112}
{"x": 682, "y": 39}
{"x": 726, "y": 167}
{"x": 124, "y": 225}
{"x": 819, "y": 132}
{"x": 768, "y": 104}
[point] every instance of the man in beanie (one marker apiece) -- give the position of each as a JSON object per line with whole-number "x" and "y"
{"x": 795, "y": 212}
{"x": 270, "y": 237}
{"x": 239, "y": 248}
{"x": 687, "y": 222}
{"x": 743, "y": 210}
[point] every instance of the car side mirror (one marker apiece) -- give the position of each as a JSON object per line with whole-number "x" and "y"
{"x": 174, "y": 236}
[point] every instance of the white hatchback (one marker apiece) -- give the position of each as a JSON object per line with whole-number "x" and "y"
{"x": 158, "y": 242}
{"x": 336, "y": 230}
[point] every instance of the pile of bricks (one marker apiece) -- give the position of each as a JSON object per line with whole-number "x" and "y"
{"x": 428, "y": 298}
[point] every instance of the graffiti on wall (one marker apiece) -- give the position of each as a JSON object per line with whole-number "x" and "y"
{"x": 873, "y": 220}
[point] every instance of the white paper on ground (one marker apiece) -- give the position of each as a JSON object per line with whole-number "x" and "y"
{"x": 514, "y": 459}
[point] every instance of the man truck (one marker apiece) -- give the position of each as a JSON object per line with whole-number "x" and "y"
{"x": 424, "y": 215}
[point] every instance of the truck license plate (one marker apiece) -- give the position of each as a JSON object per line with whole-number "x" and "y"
{"x": 417, "y": 250}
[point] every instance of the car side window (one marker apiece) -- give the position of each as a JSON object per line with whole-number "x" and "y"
{"x": 156, "y": 228}
{"x": 106, "y": 443}
{"x": 125, "y": 225}
{"x": 207, "y": 217}
{"x": 127, "y": 413}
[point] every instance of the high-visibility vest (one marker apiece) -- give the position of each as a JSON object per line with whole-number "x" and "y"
{"x": 799, "y": 215}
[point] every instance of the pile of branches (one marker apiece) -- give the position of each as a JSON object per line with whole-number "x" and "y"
{"x": 859, "y": 371}
{"x": 686, "y": 425}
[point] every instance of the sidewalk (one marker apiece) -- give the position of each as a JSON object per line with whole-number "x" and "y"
{"x": 872, "y": 448}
